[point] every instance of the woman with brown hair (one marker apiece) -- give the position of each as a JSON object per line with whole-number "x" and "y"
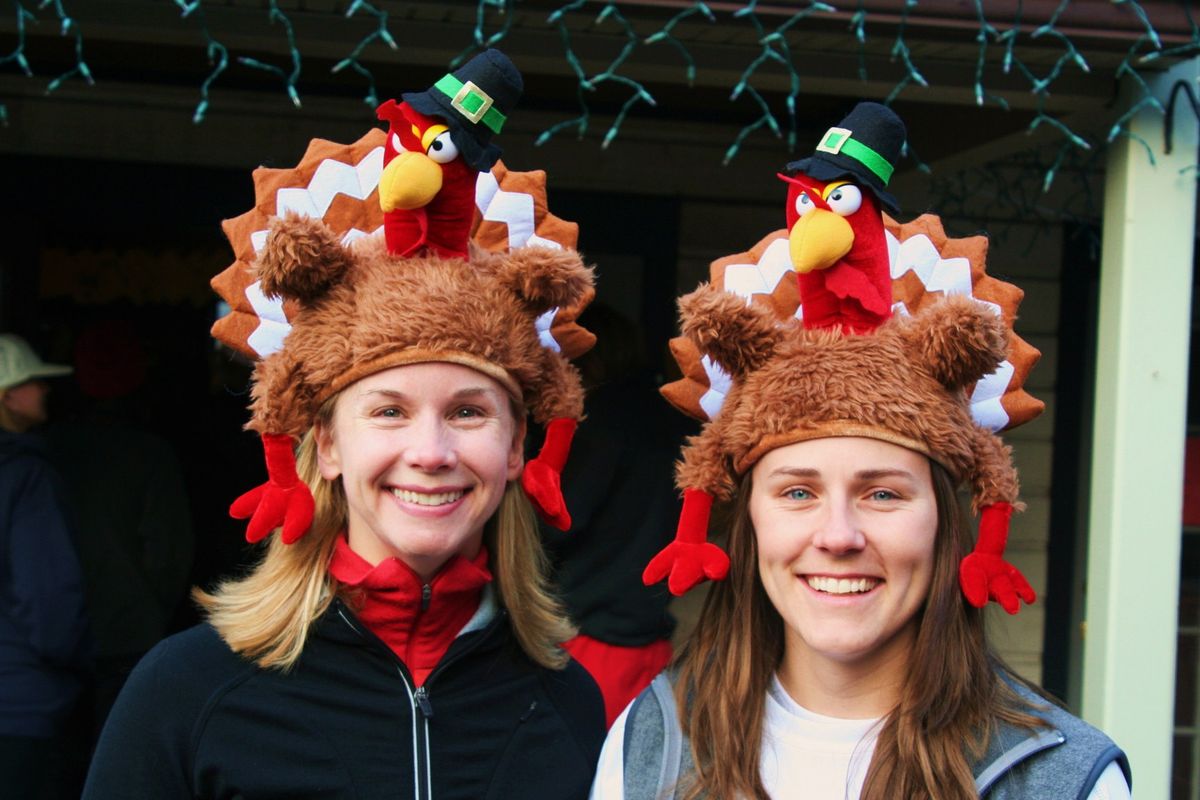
{"x": 399, "y": 637}
{"x": 841, "y": 658}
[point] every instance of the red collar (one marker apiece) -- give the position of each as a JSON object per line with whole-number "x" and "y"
{"x": 418, "y": 621}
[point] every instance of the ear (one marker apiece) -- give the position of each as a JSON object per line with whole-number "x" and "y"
{"x": 302, "y": 258}
{"x": 740, "y": 336}
{"x": 328, "y": 459}
{"x": 516, "y": 452}
{"x": 958, "y": 340}
{"x": 541, "y": 277}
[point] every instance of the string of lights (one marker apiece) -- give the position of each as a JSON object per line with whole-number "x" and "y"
{"x": 1006, "y": 42}
{"x": 380, "y": 34}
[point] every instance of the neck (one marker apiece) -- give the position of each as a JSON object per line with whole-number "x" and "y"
{"x": 865, "y": 687}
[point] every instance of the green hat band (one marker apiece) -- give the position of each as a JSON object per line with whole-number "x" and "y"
{"x": 840, "y": 140}
{"x": 472, "y": 102}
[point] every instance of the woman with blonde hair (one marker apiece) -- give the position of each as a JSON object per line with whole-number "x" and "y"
{"x": 399, "y": 637}
{"x": 845, "y": 655}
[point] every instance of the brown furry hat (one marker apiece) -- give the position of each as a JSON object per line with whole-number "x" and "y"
{"x": 905, "y": 384}
{"x": 363, "y": 311}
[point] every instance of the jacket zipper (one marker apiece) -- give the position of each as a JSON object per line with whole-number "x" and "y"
{"x": 419, "y": 699}
{"x": 422, "y": 710}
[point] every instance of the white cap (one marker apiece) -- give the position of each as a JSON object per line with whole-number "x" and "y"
{"x": 18, "y": 363}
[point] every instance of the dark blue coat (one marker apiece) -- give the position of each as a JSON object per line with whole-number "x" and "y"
{"x": 44, "y": 643}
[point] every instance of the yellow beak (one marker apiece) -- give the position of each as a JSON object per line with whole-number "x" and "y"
{"x": 410, "y": 180}
{"x": 818, "y": 240}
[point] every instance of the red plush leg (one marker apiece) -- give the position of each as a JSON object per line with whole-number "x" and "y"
{"x": 542, "y": 478}
{"x": 284, "y": 500}
{"x": 691, "y": 558}
{"x": 984, "y": 573}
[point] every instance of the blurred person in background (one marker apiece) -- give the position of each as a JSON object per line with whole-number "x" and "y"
{"x": 44, "y": 642}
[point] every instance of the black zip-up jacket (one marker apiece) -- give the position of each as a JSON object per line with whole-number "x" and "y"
{"x": 197, "y": 720}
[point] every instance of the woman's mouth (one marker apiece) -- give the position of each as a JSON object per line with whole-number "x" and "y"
{"x": 831, "y": 585}
{"x": 428, "y": 498}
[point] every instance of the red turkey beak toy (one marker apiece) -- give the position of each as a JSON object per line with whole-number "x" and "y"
{"x": 839, "y": 251}
{"x": 426, "y": 190}
{"x": 438, "y": 142}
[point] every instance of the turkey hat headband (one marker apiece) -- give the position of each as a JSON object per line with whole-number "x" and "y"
{"x": 320, "y": 301}
{"x": 905, "y": 383}
{"x": 900, "y": 335}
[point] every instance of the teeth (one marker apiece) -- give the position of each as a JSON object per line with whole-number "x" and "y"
{"x": 842, "y": 585}
{"x": 426, "y": 499}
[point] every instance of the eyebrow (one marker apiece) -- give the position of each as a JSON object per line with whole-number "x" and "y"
{"x": 875, "y": 474}
{"x": 864, "y": 475}
{"x": 461, "y": 394}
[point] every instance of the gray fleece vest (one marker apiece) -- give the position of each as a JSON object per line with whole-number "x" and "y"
{"x": 1062, "y": 761}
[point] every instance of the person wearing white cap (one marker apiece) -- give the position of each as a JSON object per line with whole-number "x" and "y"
{"x": 44, "y": 641}
{"x": 22, "y": 388}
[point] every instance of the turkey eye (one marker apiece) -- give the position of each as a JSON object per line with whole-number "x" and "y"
{"x": 442, "y": 149}
{"x": 396, "y": 145}
{"x": 845, "y": 199}
{"x": 804, "y": 204}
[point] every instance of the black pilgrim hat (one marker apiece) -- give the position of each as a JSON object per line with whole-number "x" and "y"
{"x": 864, "y": 146}
{"x": 474, "y": 100}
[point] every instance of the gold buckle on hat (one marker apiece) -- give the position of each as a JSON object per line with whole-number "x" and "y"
{"x": 834, "y": 140}
{"x": 473, "y": 94}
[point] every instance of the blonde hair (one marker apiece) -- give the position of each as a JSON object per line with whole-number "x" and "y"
{"x": 266, "y": 615}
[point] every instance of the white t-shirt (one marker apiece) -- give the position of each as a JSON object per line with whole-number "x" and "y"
{"x": 806, "y": 755}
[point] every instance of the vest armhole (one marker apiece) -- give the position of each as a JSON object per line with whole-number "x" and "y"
{"x": 1113, "y": 753}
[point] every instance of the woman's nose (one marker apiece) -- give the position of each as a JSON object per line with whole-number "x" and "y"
{"x": 841, "y": 532}
{"x": 430, "y": 445}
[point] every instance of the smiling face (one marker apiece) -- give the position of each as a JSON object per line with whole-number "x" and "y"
{"x": 424, "y": 452}
{"x": 845, "y": 529}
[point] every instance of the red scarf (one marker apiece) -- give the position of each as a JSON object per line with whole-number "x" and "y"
{"x": 418, "y": 621}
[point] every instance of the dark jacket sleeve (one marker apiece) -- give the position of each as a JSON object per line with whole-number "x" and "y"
{"x": 578, "y": 699}
{"x": 146, "y": 748}
{"x": 45, "y": 582}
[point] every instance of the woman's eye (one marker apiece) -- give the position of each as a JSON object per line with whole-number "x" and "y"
{"x": 883, "y": 494}
{"x": 797, "y": 494}
{"x": 804, "y": 204}
{"x": 391, "y": 413}
{"x": 442, "y": 149}
{"x": 468, "y": 412}
{"x": 845, "y": 199}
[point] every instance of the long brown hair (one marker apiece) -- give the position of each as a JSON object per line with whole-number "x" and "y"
{"x": 950, "y": 700}
{"x": 266, "y": 615}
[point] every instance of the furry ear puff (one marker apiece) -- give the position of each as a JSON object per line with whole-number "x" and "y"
{"x": 958, "y": 340}
{"x": 542, "y": 277}
{"x": 301, "y": 259}
{"x": 740, "y": 336}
